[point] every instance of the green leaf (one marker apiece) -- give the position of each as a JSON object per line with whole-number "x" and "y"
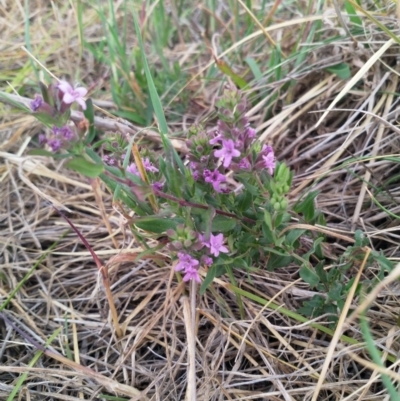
{"x": 251, "y": 188}
{"x": 44, "y": 90}
{"x": 47, "y": 120}
{"x": 342, "y": 70}
{"x": 268, "y": 233}
{"x": 237, "y": 79}
{"x": 384, "y": 262}
{"x": 158, "y": 225}
{"x": 278, "y": 261}
{"x": 15, "y": 103}
{"x": 244, "y": 201}
{"x": 309, "y": 276}
{"x": 223, "y": 224}
{"x": 44, "y": 152}
{"x": 93, "y": 155}
{"x": 213, "y": 271}
{"x": 306, "y": 206}
{"x": 268, "y": 219}
{"x": 313, "y": 307}
{"x": 282, "y": 217}
{"x": 255, "y": 69}
{"x": 319, "y": 269}
{"x": 351, "y": 11}
{"x": 89, "y": 115}
{"x": 294, "y": 235}
{"x": 85, "y": 167}
{"x": 335, "y": 291}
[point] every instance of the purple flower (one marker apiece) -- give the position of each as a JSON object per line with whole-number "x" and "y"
{"x": 215, "y": 244}
{"x": 268, "y": 159}
{"x": 64, "y": 132}
{"x": 214, "y": 141}
{"x": 196, "y": 175}
{"x": 189, "y": 265}
{"x": 158, "y": 186}
{"x": 55, "y": 144}
{"x": 215, "y": 178}
{"x": 148, "y": 165}
{"x": 236, "y": 132}
{"x": 227, "y": 152}
{"x": 36, "y": 103}
{"x": 191, "y": 274}
{"x": 244, "y": 164}
{"x": 71, "y": 95}
{"x": 133, "y": 169}
{"x": 206, "y": 260}
{"x": 42, "y": 139}
{"x": 251, "y": 133}
{"x": 185, "y": 261}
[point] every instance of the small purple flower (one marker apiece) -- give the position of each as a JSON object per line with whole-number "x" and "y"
{"x": 71, "y": 95}
{"x": 268, "y": 158}
{"x": 251, "y": 133}
{"x": 244, "y": 164}
{"x": 236, "y": 132}
{"x": 189, "y": 265}
{"x": 42, "y": 139}
{"x": 206, "y": 260}
{"x": 158, "y": 186}
{"x": 191, "y": 274}
{"x": 55, "y": 144}
{"x": 133, "y": 169}
{"x": 227, "y": 152}
{"x": 217, "y": 138}
{"x": 148, "y": 165}
{"x": 215, "y": 178}
{"x": 64, "y": 132}
{"x": 36, "y": 103}
{"x": 215, "y": 244}
{"x": 185, "y": 261}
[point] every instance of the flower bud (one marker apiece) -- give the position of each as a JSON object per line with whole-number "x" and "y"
{"x": 187, "y": 243}
{"x": 177, "y": 245}
{"x": 171, "y": 233}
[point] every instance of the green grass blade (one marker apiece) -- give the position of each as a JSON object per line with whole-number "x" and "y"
{"x": 28, "y": 40}
{"x": 156, "y": 102}
{"x": 296, "y": 316}
{"x": 155, "y": 99}
{"x": 32, "y": 363}
{"x": 376, "y": 357}
{"x": 29, "y": 273}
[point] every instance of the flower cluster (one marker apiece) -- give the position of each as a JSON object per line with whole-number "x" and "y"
{"x": 56, "y": 107}
{"x": 147, "y": 164}
{"x": 232, "y": 146}
{"x": 194, "y": 250}
{"x": 59, "y": 98}
{"x": 58, "y": 138}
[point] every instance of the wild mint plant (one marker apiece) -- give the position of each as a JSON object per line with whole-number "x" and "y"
{"x": 222, "y": 207}
{"x": 221, "y": 210}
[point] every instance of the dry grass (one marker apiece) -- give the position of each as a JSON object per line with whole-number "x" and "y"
{"x": 268, "y": 356}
